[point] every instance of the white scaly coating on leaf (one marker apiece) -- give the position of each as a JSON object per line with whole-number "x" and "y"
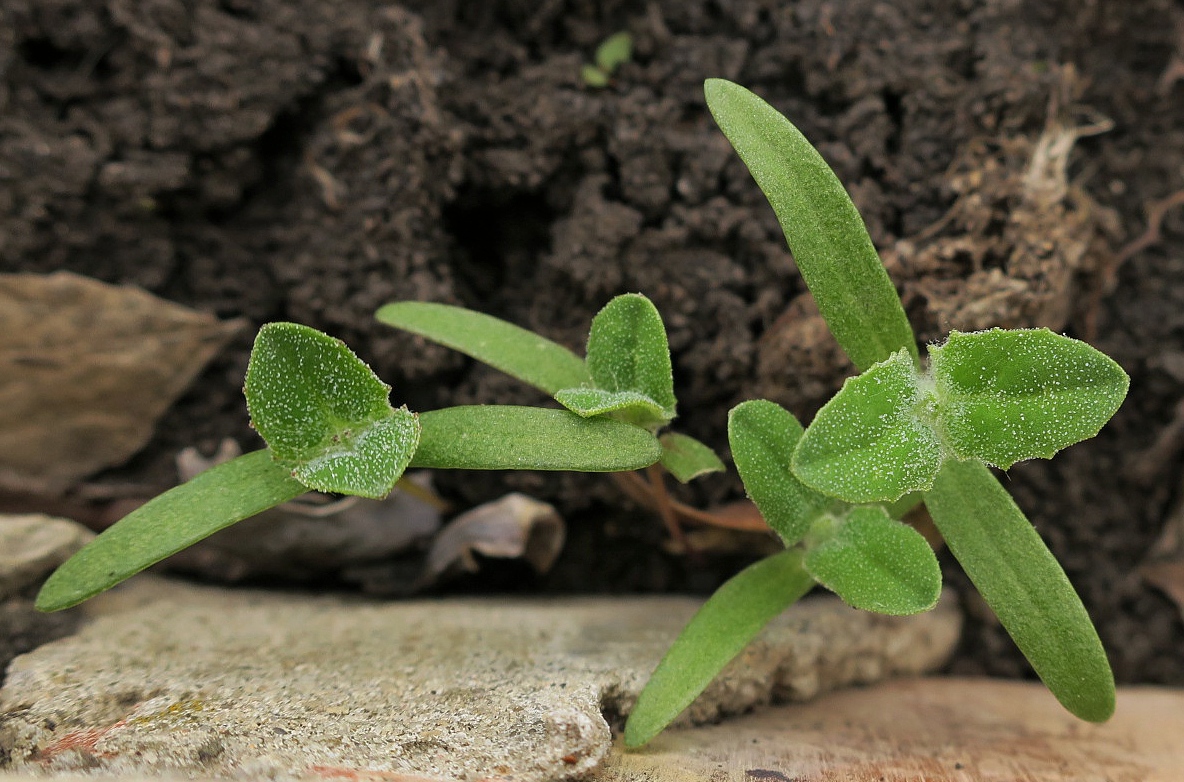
{"x": 1006, "y": 396}
{"x": 872, "y": 442}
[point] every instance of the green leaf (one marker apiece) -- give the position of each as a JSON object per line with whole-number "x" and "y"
{"x": 825, "y": 232}
{"x": 1004, "y": 396}
{"x": 614, "y": 51}
{"x": 762, "y": 436}
{"x": 629, "y": 406}
{"x": 627, "y": 351}
{"x": 593, "y": 76}
{"x": 324, "y": 414}
{"x": 723, "y": 626}
{"x": 534, "y": 360}
{"x": 496, "y": 437}
{"x": 686, "y": 458}
{"x": 876, "y": 563}
{"x": 215, "y": 499}
{"x": 1021, "y": 580}
{"x": 869, "y": 443}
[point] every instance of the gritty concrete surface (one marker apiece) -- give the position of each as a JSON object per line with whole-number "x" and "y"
{"x": 181, "y": 680}
{"x": 936, "y": 730}
{"x": 31, "y": 546}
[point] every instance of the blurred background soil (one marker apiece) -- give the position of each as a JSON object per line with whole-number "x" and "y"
{"x": 307, "y": 160}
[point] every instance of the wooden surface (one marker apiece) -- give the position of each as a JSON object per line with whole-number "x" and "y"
{"x": 937, "y": 730}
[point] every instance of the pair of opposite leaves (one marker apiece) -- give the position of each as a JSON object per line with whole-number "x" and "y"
{"x": 996, "y": 396}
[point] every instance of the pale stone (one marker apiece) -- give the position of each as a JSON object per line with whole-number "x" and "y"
{"x": 31, "y": 546}
{"x": 202, "y": 682}
{"x": 88, "y": 369}
{"x": 938, "y": 730}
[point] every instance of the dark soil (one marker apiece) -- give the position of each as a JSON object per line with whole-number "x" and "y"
{"x": 311, "y": 160}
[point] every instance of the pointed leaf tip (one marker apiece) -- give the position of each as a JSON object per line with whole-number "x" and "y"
{"x": 824, "y": 231}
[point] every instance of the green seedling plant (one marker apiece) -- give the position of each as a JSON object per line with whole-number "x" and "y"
{"x": 613, "y": 52}
{"x": 329, "y": 426}
{"x": 626, "y": 376}
{"x": 904, "y": 431}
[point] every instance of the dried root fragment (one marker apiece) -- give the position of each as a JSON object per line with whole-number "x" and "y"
{"x": 1021, "y": 240}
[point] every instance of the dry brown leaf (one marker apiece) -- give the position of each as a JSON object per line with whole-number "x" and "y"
{"x": 516, "y": 526}
{"x": 86, "y": 369}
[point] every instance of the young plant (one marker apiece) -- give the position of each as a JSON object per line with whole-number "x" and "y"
{"x": 627, "y": 375}
{"x": 903, "y": 431}
{"x": 329, "y": 426}
{"x": 613, "y": 52}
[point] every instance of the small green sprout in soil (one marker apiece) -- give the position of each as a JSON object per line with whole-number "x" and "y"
{"x": 613, "y": 52}
{"x": 329, "y": 426}
{"x": 905, "y": 431}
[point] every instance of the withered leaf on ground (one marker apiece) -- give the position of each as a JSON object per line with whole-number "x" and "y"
{"x": 516, "y": 526}
{"x": 87, "y": 368}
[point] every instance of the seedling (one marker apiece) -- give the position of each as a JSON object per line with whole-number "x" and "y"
{"x": 627, "y": 375}
{"x": 904, "y": 431}
{"x": 329, "y": 426}
{"x": 613, "y": 52}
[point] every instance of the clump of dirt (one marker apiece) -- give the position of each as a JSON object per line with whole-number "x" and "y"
{"x": 295, "y": 159}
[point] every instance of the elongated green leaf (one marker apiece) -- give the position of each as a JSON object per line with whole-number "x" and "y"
{"x": 629, "y": 406}
{"x": 627, "y": 351}
{"x": 534, "y": 360}
{"x": 1004, "y": 396}
{"x": 324, "y": 414}
{"x": 868, "y": 443}
{"x": 1021, "y": 580}
{"x": 686, "y": 458}
{"x": 876, "y": 563}
{"x": 763, "y": 435}
{"x": 825, "y": 232}
{"x": 724, "y": 625}
{"x": 215, "y": 499}
{"x": 497, "y": 437}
